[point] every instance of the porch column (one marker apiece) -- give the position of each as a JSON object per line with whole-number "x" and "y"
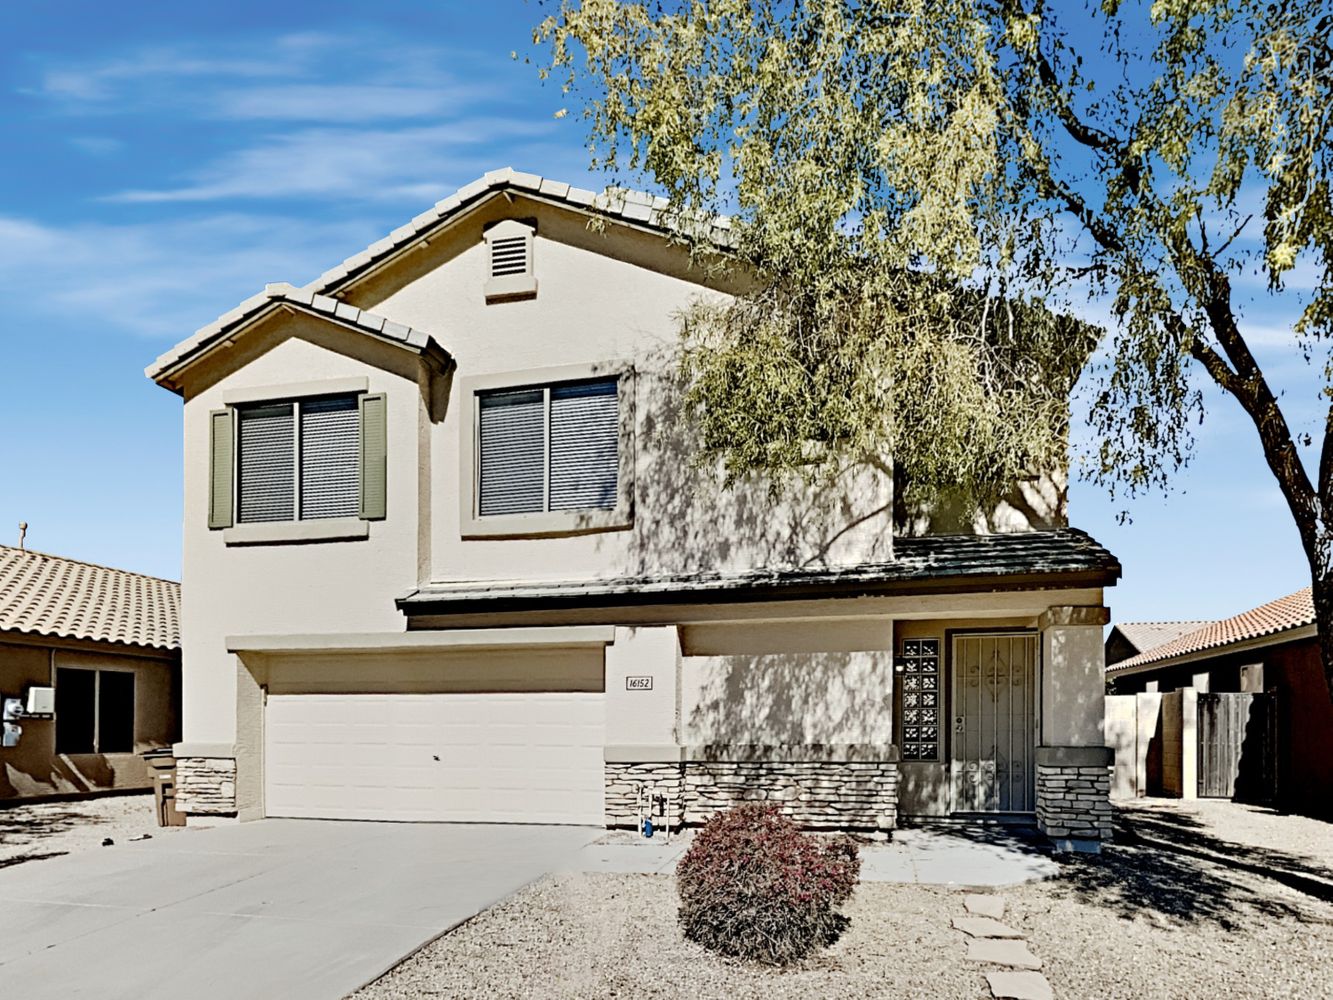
{"x": 642, "y": 723}
{"x": 1073, "y": 761}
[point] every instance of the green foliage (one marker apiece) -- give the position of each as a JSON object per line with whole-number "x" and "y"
{"x": 922, "y": 190}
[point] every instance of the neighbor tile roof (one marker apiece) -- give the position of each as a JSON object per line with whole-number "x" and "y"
{"x": 67, "y": 599}
{"x": 633, "y": 207}
{"x": 281, "y": 294}
{"x": 1286, "y": 613}
{"x": 1043, "y": 557}
{"x": 1147, "y": 635}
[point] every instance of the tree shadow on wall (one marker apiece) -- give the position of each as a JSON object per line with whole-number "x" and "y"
{"x": 687, "y": 522}
{"x": 794, "y": 699}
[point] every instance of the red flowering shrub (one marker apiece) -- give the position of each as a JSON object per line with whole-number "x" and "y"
{"x": 754, "y": 886}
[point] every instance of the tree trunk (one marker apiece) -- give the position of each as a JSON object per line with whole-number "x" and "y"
{"x": 1321, "y": 573}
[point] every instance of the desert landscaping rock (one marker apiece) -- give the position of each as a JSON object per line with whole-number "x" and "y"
{"x": 984, "y": 906}
{"x": 1014, "y": 954}
{"x": 1019, "y": 986}
{"x": 35, "y": 831}
{"x": 594, "y": 936}
{"x": 984, "y": 927}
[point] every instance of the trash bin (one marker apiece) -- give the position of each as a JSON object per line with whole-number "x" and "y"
{"x": 163, "y": 767}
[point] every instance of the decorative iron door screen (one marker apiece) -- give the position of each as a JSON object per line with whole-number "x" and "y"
{"x": 994, "y": 722}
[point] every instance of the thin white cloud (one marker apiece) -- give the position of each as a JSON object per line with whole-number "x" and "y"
{"x": 163, "y": 279}
{"x": 409, "y": 164}
{"x": 344, "y": 102}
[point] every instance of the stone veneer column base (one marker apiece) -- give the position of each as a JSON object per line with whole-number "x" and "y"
{"x": 818, "y": 787}
{"x": 624, "y": 780}
{"x": 206, "y": 786}
{"x": 1074, "y": 796}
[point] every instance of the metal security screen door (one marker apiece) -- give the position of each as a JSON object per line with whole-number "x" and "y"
{"x": 994, "y": 722}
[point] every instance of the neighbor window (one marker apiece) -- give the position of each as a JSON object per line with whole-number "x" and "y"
{"x": 298, "y": 460}
{"x": 549, "y": 448}
{"x": 94, "y": 711}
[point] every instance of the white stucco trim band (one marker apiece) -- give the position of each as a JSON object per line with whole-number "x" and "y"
{"x": 333, "y": 529}
{"x": 565, "y": 637}
{"x": 207, "y": 750}
{"x": 293, "y": 390}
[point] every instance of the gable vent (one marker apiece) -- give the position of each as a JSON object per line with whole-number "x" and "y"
{"x": 509, "y": 244}
{"x": 509, "y": 255}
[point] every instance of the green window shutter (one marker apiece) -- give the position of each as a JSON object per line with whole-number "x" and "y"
{"x": 222, "y": 467}
{"x": 374, "y": 460}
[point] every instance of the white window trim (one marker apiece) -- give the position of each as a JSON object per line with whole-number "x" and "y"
{"x": 297, "y": 530}
{"x": 544, "y": 524}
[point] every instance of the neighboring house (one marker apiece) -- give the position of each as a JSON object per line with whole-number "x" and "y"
{"x": 1131, "y": 638}
{"x": 108, "y": 642}
{"x": 1271, "y": 649}
{"x": 449, "y": 557}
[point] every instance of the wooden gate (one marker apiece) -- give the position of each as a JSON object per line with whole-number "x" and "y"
{"x": 1236, "y": 746}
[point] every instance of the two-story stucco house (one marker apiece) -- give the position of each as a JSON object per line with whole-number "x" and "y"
{"x": 447, "y": 557}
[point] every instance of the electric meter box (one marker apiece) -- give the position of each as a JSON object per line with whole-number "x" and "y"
{"x": 41, "y": 701}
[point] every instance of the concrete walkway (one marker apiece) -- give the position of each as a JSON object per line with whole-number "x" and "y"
{"x": 302, "y": 910}
{"x": 926, "y": 856}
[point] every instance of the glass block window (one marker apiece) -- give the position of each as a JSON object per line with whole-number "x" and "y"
{"x": 919, "y": 699}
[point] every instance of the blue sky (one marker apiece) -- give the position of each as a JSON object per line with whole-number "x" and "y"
{"x": 164, "y": 160}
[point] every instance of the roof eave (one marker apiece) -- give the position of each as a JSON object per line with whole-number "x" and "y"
{"x": 167, "y": 374}
{"x": 425, "y": 603}
{"x": 1278, "y": 638}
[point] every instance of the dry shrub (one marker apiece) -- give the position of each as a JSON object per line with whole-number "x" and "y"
{"x": 752, "y": 885}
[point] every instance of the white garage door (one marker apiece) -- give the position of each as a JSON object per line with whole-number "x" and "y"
{"x": 521, "y": 757}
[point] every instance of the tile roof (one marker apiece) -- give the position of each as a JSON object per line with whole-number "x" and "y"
{"x": 1145, "y": 635}
{"x": 621, "y": 204}
{"x": 67, "y": 599}
{"x": 1286, "y": 613}
{"x": 282, "y": 295}
{"x": 1047, "y": 558}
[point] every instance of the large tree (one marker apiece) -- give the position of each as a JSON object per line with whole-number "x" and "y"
{"x": 920, "y": 191}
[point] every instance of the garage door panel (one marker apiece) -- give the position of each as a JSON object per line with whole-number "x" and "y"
{"x": 533, "y": 757}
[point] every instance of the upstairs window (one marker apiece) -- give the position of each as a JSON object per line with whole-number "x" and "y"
{"x": 549, "y": 448}
{"x": 298, "y": 460}
{"x": 320, "y": 457}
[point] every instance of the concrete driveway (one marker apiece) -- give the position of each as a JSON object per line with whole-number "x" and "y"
{"x": 279, "y": 908}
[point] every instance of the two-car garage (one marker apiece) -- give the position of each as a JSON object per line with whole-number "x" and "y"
{"x": 496, "y": 736}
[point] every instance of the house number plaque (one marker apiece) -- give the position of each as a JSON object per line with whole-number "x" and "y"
{"x": 638, "y": 683}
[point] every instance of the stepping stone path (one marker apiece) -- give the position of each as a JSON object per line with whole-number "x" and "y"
{"x": 996, "y": 943}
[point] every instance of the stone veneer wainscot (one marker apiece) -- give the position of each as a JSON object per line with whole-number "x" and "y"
{"x": 820, "y": 787}
{"x": 1074, "y": 795}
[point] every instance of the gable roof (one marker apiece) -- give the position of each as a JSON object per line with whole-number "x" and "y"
{"x": 278, "y": 296}
{"x": 1147, "y": 635}
{"x": 1274, "y": 618}
{"x": 63, "y": 598}
{"x": 636, "y": 208}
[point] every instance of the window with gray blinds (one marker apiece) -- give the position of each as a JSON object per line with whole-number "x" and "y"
{"x": 585, "y": 445}
{"x": 330, "y": 482}
{"x": 549, "y": 449}
{"x": 267, "y": 465}
{"x": 513, "y": 452}
{"x": 301, "y": 457}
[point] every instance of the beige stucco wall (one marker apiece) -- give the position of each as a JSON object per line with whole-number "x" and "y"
{"x": 611, "y": 299}
{"x": 34, "y": 768}
{"x": 346, "y": 586}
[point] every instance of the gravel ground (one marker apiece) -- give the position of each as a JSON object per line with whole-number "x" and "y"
{"x": 1175, "y": 908}
{"x": 1192, "y": 900}
{"x": 34, "y": 832}
{"x": 585, "y": 936}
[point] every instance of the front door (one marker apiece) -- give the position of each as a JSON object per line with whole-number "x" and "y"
{"x": 994, "y": 722}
